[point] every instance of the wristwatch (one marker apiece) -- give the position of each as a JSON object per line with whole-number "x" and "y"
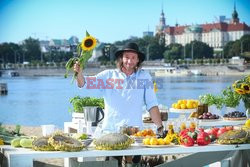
{"x": 160, "y": 128}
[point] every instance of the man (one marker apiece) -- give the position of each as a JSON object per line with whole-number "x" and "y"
{"x": 125, "y": 91}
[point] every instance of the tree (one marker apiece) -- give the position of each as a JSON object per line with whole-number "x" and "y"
{"x": 200, "y": 50}
{"x": 227, "y": 49}
{"x": 9, "y": 52}
{"x": 173, "y": 52}
{"x": 245, "y": 41}
{"x": 235, "y": 50}
{"x": 32, "y": 50}
{"x": 148, "y": 45}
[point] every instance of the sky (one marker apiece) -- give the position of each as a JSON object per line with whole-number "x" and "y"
{"x": 107, "y": 20}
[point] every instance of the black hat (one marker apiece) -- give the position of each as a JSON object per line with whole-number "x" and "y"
{"x": 131, "y": 47}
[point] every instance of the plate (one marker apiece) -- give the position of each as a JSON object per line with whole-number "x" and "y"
{"x": 160, "y": 146}
{"x": 209, "y": 120}
{"x": 184, "y": 111}
{"x": 234, "y": 119}
{"x": 138, "y": 139}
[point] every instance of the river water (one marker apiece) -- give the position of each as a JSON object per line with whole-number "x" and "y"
{"x": 35, "y": 101}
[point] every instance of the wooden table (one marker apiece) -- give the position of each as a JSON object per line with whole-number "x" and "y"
{"x": 200, "y": 155}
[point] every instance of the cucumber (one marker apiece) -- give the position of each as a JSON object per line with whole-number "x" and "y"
{"x": 7, "y": 139}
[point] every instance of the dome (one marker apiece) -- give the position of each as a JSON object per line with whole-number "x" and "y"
{"x": 194, "y": 29}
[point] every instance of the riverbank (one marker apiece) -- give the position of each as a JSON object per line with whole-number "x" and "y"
{"x": 208, "y": 70}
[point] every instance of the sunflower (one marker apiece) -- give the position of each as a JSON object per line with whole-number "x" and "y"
{"x": 234, "y": 85}
{"x": 88, "y": 43}
{"x": 245, "y": 87}
{"x": 240, "y": 91}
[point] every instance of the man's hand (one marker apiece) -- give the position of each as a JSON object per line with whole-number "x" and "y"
{"x": 160, "y": 131}
{"x": 79, "y": 77}
{"x": 77, "y": 68}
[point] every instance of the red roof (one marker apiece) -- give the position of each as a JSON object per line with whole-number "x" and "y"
{"x": 209, "y": 27}
{"x": 237, "y": 27}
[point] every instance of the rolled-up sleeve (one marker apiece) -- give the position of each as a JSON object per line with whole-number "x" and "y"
{"x": 149, "y": 94}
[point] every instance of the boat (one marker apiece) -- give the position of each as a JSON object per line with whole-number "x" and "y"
{"x": 196, "y": 72}
{"x": 14, "y": 74}
{"x": 171, "y": 71}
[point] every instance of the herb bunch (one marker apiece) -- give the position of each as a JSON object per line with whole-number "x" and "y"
{"x": 79, "y": 102}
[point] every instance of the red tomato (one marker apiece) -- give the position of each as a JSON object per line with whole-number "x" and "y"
{"x": 221, "y": 131}
{"x": 229, "y": 127}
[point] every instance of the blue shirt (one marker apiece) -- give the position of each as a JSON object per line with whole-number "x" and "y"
{"x": 124, "y": 97}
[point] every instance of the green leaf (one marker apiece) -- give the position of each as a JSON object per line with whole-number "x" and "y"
{"x": 79, "y": 49}
{"x": 87, "y": 34}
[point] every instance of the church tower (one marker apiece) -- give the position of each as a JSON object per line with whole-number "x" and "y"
{"x": 160, "y": 28}
{"x": 235, "y": 18}
{"x": 162, "y": 24}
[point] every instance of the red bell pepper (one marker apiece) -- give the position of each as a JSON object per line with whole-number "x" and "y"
{"x": 187, "y": 141}
{"x": 184, "y": 132}
{"x": 213, "y": 132}
{"x": 203, "y": 138}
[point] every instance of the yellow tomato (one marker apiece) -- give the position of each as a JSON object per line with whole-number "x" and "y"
{"x": 179, "y": 102}
{"x": 160, "y": 141}
{"x": 183, "y": 106}
{"x": 178, "y": 106}
{"x": 146, "y": 141}
{"x": 194, "y": 105}
{"x": 189, "y": 105}
{"x": 173, "y": 105}
{"x": 247, "y": 123}
{"x": 167, "y": 141}
{"x": 153, "y": 141}
{"x": 184, "y": 101}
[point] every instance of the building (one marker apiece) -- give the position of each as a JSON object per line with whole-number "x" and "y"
{"x": 62, "y": 45}
{"x": 148, "y": 33}
{"x": 216, "y": 35}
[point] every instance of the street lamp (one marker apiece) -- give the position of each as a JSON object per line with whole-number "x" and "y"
{"x": 24, "y": 50}
{"x": 192, "y": 51}
{"x": 107, "y": 51}
{"x": 147, "y": 52}
{"x": 15, "y": 51}
{"x": 241, "y": 46}
{"x": 41, "y": 56}
{"x": 184, "y": 51}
